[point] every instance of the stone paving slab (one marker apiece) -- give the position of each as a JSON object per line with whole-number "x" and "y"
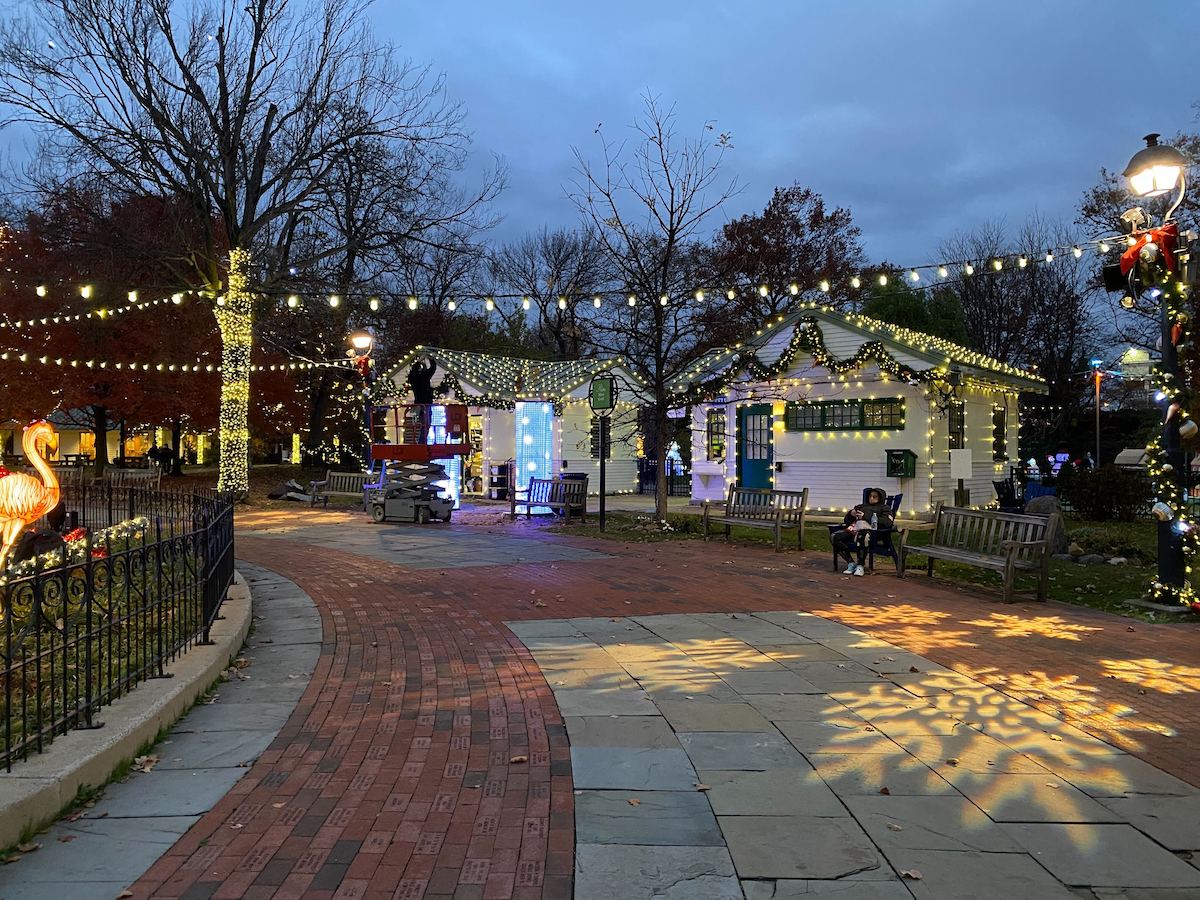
{"x": 870, "y": 773}
{"x": 782, "y": 682}
{"x": 1104, "y": 855}
{"x": 1028, "y": 798}
{"x": 588, "y": 702}
{"x": 1172, "y": 821}
{"x": 836, "y": 736}
{"x": 798, "y": 847}
{"x": 620, "y": 731}
{"x": 739, "y": 750}
{"x": 849, "y": 889}
{"x": 653, "y": 818}
{"x": 95, "y": 850}
{"x": 691, "y": 715}
{"x": 773, "y": 792}
{"x": 632, "y": 768}
{"x": 929, "y": 823}
{"x": 621, "y": 872}
{"x": 977, "y": 876}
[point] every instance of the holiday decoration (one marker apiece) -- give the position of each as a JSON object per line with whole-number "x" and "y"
{"x": 23, "y": 498}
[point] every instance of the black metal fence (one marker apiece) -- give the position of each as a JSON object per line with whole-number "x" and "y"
{"x": 679, "y": 481}
{"x": 83, "y": 625}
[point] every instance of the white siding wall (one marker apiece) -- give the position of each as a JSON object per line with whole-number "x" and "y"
{"x": 621, "y": 470}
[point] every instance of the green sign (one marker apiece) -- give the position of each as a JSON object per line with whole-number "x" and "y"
{"x": 603, "y": 393}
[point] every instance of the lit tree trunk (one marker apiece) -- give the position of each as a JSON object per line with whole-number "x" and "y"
{"x": 235, "y": 319}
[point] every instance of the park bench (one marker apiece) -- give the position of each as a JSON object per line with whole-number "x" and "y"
{"x": 761, "y": 508}
{"x": 339, "y": 484}
{"x": 147, "y": 478}
{"x": 558, "y": 495}
{"x": 879, "y": 542}
{"x": 1003, "y": 541}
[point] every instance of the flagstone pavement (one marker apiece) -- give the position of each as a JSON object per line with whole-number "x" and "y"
{"x": 501, "y": 712}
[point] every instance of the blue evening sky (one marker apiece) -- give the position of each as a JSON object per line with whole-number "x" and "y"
{"x": 923, "y": 116}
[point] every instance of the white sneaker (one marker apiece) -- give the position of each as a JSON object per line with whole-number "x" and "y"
{"x": 850, "y": 569}
{"x": 858, "y": 570}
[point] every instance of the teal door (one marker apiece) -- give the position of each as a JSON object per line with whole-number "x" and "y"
{"x": 755, "y": 448}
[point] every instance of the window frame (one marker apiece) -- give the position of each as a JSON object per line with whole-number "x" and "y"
{"x": 999, "y": 434}
{"x": 830, "y": 415}
{"x": 956, "y": 425}
{"x": 712, "y": 418}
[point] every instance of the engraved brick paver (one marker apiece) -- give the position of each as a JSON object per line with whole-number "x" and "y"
{"x": 394, "y": 776}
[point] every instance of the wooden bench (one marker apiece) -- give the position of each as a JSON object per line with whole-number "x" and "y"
{"x": 761, "y": 508}
{"x": 149, "y": 478}
{"x": 567, "y": 497}
{"x": 1003, "y": 541}
{"x": 339, "y": 484}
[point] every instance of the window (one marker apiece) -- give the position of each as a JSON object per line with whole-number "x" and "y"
{"x": 957, "y": 424}
{"x": 999, "y": 434}
{"x": 714, "y": 435}
{"x": 845, "y": 415}
{"x": 595, "y": 440}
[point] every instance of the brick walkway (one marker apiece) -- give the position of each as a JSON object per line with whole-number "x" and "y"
{"x": 427, "y": 757}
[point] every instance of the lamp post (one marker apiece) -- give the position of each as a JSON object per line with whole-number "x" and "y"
{"x": 361, "y": 344}
{"x": 1095, "y": 362}
{"x": 1155, "y": 171}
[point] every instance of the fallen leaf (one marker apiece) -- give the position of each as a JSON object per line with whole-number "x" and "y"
{"x": 28, "y": 848}
{"x": 279, "y": 805}
{"x": 1130, "y": 628}
{"x": 1055, "y": 737}
{"x": 892, "y": 826}
{"x": 885, "y": 792}
{"x": 914, "y": 874}
{"x": 124, "y": 894}
{"x": 913, "y": 669}
{"x": 66, "y": 838}
{"x": 634, "y": 802}
{"x": 953, "y": 761}
{"x": 1051, "y": 784}
{"x": 519, "y": 759}
{"x": 700, "y": 786}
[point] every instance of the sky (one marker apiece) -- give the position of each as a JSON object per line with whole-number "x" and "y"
{"x": 924, "y": 117}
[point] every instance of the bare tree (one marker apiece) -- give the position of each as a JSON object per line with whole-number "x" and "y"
{"x": 244, "y": 108}
{"x": 647, "y": 205}
{"x": 555, "y": 270}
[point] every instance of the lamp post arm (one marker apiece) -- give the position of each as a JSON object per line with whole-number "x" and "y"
{"x": 1179, "y": 199}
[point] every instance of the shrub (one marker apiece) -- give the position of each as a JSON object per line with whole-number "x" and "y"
{"x": 1105, "y": 494}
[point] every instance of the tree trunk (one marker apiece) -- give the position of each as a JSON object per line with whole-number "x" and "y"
{"x": 661, "y": 485}
{"x": 316, "y": 416}
{"x": 177, "y": 448}
{"x": 100, "y": 433}
{"x": 235, "y": 320}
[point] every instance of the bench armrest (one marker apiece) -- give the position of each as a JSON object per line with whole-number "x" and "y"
{"x": 314, "y": 485}
{"x": 1017, "y": 545}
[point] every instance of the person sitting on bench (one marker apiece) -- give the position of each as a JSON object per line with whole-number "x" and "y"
{"x": 855, "y": 539}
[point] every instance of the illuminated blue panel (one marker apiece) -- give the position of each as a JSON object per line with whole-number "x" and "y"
{"x": 451, "y": 486}
{"x": 535, "y": 443}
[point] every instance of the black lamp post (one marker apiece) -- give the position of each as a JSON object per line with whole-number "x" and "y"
{"x": 361, "y": 343}
{"x": 1155, "y": 171}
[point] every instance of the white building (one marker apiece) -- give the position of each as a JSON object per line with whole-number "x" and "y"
{"x": 534, "y": 414}
{"x": 817, "y": 398}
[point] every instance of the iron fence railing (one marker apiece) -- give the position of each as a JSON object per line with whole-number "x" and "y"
{"x": 679, "y": 480}
{"x": 84, "y": 624}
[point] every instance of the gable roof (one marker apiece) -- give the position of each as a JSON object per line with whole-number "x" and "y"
{"x": 513, "y": 378}
{"x": 768, "y": 352}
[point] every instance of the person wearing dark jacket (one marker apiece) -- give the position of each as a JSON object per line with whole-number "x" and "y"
{"x": 420, "y": 379}
{"x": 851, "y": 542}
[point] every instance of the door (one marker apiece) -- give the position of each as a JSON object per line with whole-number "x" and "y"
{"x": 755, "y": 450}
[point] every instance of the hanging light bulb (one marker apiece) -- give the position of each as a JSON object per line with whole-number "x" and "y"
{"x": 525, "y": 303}
{"x": 85, "y": 291}
{"x": 943, "y": 272}
{"x": 793, "y": 289}
{"x": 699, "y": 295}
{"x": 221, "y": 300}
{"x": 562, "y": 302}
{"x": 855, "y": 282}
{"x": 177, "y": 299}
{"x": 1078, "y": 251}
{"x": 824, "y": 285}
{"x": 663, "y": 300}
{"x": 914, "y": 276}
{"x": 730, "y": 294}
{"x": 131, "y": 296}
{"x": 451, "y": 305}
{"x": 1049, "y": 256}
{"x": 1104, "y": 246}
{"x": 596, "y": 302}
{"x": 632, "y": 300}
{"x": 373, "y": 303}
{"x": 968, "y": 269}
{"x": 335, "y": 301}
{"x": 883, "y": 281}
{"x": 763, "y": 290}
{"x": 412, "y": 303}
{"x": 1022, "y": 261}
{"x": 40, "y": 290}
{"x": 293, "y": 301}
{"x": 997, "y": 264}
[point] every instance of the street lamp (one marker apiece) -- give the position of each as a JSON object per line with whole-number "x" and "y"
{"x": 1154, "y": 171}
{"x": 361, "y": 343}
{"x": 1097, "y": 373}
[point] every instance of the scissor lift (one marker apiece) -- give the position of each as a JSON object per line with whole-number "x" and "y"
{"x": 415, "y": 435}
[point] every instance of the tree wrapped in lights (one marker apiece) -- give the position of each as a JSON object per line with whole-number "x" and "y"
{"x": 240, "y": 109}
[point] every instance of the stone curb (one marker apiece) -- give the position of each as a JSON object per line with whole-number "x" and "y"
{"x": 37, "y": 790}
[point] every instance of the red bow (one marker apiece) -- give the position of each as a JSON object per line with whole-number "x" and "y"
{"x": 4, "y": 471}
{"x": 1166, "y": 238}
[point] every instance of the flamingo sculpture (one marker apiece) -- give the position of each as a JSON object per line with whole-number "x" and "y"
{"x": 24, "y": 499}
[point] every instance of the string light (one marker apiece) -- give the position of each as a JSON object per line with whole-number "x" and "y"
{"x": 451, "y": 305}
{"x": 968, "y": 269}
{"x": 412, "y": 303}
{"x": 997, "y": 264}
{"x": 562, "y": 302}
{"x": 793, "y": 289}
{"x": 525, "y": 303}
{"x": 883, "y": 281}
{"x": 1049, "y": 256}
{"x": 699, "y": 295}
{"x": 824, "y": 286}
{"x": 293, "y": 301}
{"x": 914, "y": 276}
{"x": 943, "y": 272}
{"x": 1078, "y": 251}
{"x": 85, "y": 291}
{"x": 335, "y": 301}
{"x": 855, "y": 282}
{"x": 41, "y": 290}
{"x": 632, "y": 300}
{"x": 662, "y": 301}
{"x": 1104, "y": 246}
{"x": 1022, "y": 261}
{"x": 234, "y": 320}
{"x": 373, "y": 304}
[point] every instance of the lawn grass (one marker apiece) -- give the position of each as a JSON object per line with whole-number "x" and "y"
{"x": 1104, "y": 587}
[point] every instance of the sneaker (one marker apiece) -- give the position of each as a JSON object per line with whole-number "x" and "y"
{"x": 858, "y": 570}
{"x": 850, "y": 569}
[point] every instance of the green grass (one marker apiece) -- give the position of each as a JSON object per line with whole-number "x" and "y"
{"x": 1102, "y": 587}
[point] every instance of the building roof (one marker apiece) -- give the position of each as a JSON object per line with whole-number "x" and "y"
{"x": 770, "y": 349}
{"x": 509, "y": 377}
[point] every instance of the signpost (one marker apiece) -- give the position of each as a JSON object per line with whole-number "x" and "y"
{"x": 602, "y": 397}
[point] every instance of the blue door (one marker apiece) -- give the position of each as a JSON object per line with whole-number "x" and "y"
{"x": 755, "y": 448}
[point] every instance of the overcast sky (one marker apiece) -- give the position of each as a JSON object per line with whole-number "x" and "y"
{"x": 923, "y": 116}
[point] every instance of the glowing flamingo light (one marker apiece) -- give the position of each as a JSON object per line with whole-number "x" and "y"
{"x": 23, "y": 498}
